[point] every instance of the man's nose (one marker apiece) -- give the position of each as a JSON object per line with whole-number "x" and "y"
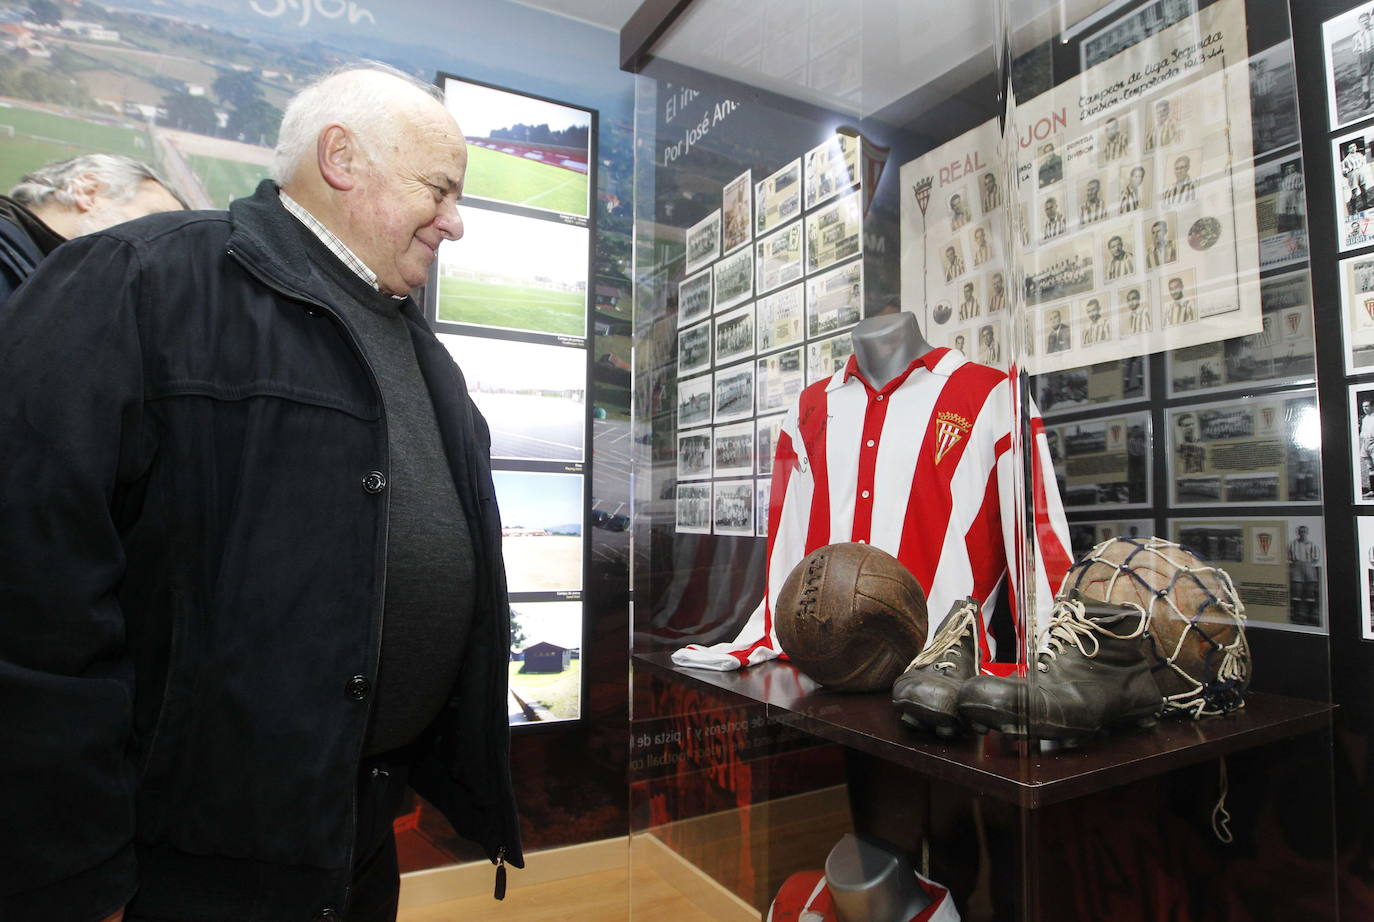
{"x": 449, "y": 221}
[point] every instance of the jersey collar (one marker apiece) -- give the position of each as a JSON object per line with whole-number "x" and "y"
{"x": 940, "y": 361}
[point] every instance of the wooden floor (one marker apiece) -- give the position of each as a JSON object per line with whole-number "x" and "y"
{"x": 603, "y": 896}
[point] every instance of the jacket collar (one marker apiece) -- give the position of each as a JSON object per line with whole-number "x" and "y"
{"x": 270, "y": 238}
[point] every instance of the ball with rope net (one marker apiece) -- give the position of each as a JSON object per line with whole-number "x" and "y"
{"x": 1196, "y": 621}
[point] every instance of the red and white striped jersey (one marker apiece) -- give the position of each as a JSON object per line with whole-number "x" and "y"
{"x": 921, "y": 469}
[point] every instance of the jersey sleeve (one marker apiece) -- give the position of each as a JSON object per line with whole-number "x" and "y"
{"x": 789, "y": 507}
{"x": 71, "y": 371}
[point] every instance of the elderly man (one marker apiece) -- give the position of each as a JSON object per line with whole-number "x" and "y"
{"x": 69, "y": 198}
{"x": 251, "y": 569}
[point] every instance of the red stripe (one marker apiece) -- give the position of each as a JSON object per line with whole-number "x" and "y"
{"x": 784, "y": 463}
{"x": 986, "y": 532}
{"x": 1053, "y": 555}
{"x": 812, "y": 423}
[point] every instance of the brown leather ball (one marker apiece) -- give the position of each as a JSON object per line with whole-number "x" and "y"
{"x": 1194, "y": 611}
{"x": 851, "y": 617}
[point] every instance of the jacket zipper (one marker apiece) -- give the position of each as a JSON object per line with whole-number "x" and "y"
{"x": 386, "y": 531}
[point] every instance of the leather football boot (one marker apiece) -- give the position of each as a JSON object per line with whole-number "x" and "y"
{"x": 1091, "y": 672}
{"x": 927, "y": 693}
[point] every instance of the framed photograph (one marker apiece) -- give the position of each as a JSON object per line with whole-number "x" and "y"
{"x": 703, "y": 241}
{"x": 1247, "y": 452}
{"x": 1281, "y": 212}
{"x": 734, "y": 334}
{"x": 1348, "y": 40}
{"x": 1283, "y": 350}
{"x": 734, "y": 278}
{"x": 1278, "y": 565}
{"x": 766, "y": 439}
{"x": 778, "y": 257}
{"x": 533, "y": 395}
{"x": 1084, "y": 536}
{"x": 693, "y": 401}
{"x": 1273, "y": 98}
{"x": 506, "y": 165}
{"x": 734, "y": 392}
{"x": 694, "y": 454}
{"x": 834, "y": 232}
{"x": 778, "y": 198}
{"x": 1362, "y": 441}
{"x": 737, "y": 212}
{"x": 693, "y": 349}
{"x": 1102, "y": 462}
{"x": 824, "y": 357}
{"x": 734, "y": 450}
{"x": 835, "y": 299}
{"x": 1364, "y": 565}
{"x": 548, "y": 681}
{"x": 1105, "y": 385}
{"x": 1357, "y": 310}
{"x": 694, "y": 298}
{"x": 780, "y": 380}
{"x": 1061, "y": 270}
{"x": 541, "y": 530}
{"x": 1353, "y": 176}
{"x": 694, "y": 508}
{"x": 762, "y": 495}
{"x": 780, "y": 318}
{"x": 733, "y": 510}
{"x": 831, "y": 168}
{"x": 491, "y": 279}
{"x": 1131, "y": 29}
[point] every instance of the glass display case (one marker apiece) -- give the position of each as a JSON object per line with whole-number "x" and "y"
{"x": 1015, "y": 295}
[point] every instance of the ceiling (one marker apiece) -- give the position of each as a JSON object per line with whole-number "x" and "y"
{"x": 607, "y": 14}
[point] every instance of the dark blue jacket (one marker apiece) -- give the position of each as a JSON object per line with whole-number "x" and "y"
{"x": 192, "y": 571}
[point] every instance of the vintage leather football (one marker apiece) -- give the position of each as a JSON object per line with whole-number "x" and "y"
{"x": 851, "y": 617}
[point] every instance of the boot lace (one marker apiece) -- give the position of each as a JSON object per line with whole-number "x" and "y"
{"x": 1070, "y": 626}
{"x": 944, "y": 646}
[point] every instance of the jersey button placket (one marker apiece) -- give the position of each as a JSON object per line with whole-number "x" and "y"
{"x": 874, "y": 414}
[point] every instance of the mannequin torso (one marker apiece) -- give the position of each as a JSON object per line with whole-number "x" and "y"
{"x": 885, "y": 345}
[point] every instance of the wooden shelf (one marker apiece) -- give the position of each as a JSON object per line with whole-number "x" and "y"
{"x": 1023, "y": 774}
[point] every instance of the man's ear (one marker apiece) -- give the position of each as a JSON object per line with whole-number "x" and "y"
{"x": 84, "y": 191}
{"x": 339, "y": 158}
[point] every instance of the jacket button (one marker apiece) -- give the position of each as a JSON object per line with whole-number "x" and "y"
{"x": 358, "y": 687}
{"x": 374, "y": 481}
{"x": 325, "y": 915}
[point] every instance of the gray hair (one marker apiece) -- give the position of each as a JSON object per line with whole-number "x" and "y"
{"x": 365, "y": 108}
{"x": 56, "y": 183}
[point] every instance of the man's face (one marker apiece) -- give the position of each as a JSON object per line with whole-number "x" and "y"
{"x": 1176, "y": 289}
{"x": 989, "y": 182}
{"x": 1162, "y": 111}
{"x": 956, "y": 204}
{"x": 1116, "y": 247}
{"x": 949, "y": 253}
{"x": 1051, "y": 208}
{"x": 1158, "y": 231}
{"x": 1181, "y": 166}
{"x": 408, "y": 201}
{"x": 1133, "y": 300}
{"x": 1094, "y": 311}
{"x": 997, "y": 282}
{"x": 1113, "y": 129}
{"x": 1094, "y": 187}
{"x": 1137, "y": 176}
{"x": 1054, "y": 318}
{"x": 979, "y": 236}
{"x": 151, "y": 198}
{"x": 1364, "y": 408}
{"x": 1302, "y": 532}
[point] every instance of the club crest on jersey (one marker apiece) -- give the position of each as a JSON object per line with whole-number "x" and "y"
{"x": 950, "y": 429}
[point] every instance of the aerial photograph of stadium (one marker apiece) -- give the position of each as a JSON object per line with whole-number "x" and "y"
{"x": 489, "y": 279}
{"x": 541, "y": 530}
{"x": 522, "y": 150}
{"x": 533, "y": 396}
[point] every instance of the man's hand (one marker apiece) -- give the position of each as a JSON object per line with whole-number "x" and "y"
{"x": 117, "y": 916}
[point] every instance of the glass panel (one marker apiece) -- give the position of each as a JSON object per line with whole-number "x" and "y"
{"x": 1017, "y": 293}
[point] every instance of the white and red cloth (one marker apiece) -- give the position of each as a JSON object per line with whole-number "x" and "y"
{"x": 921, "y": 469}
{"x": 805, "y": 897}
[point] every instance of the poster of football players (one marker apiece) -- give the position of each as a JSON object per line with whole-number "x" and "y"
{"x": 1102, "y": 462}
{"x": 1276, "y": 565}
{"x": 1357, "y": 302}
{"x": 1130, "y": 178}
{"x": 1353, "y": 175}
{"x": 778, "y": 257}
{"x": 737, "y": 215}
{"x": 1246, "y": 452}
{"x": 831, "y": 168}
{"x": 1281, "y": 212}
{"x": 1103, "y": 385}
{"x": 1282, "y": 351}
{"x": 703, "y": 241}
{"x": 1348, "y": 40}
{"x": 778, "y": 198}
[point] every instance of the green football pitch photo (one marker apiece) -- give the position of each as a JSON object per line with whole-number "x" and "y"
{"x": 516, "y": 307}
{"x": 521, "y": 181}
